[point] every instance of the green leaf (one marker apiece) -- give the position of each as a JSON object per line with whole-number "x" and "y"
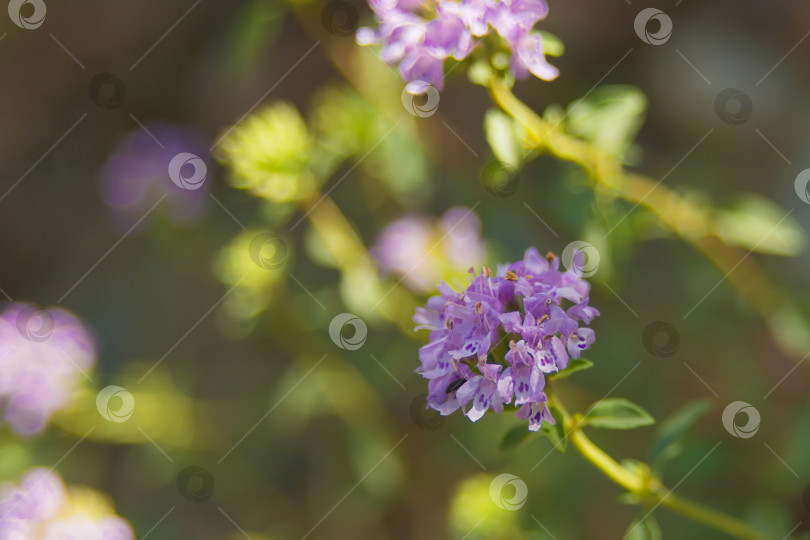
{"x": 644, "y": 529}
{"x": 756, "y": 223}
{"x": 556, "y": 432}
{"x": 609, "y": 117}
{"x": 502, "y": 136}
{"x": 552, "y": 45}
{"x": 617, "y": 413}
{"x": 514, "y": 437}
{"x": 576, "y": 364}
{"x": 669, "y": 441}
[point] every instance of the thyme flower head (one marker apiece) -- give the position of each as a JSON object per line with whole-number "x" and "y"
{"x": 420, "y": 35}
{"x": 496, "y": 341}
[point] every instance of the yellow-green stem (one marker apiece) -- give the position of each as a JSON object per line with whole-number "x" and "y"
{"x": 673, "y": 211}
{"x": 649, "y": 488}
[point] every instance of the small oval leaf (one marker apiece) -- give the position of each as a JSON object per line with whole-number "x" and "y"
{"x": 617, "y": 413}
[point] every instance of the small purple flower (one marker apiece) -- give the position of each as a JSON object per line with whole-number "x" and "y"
{"x": 419, "y": 37}
{"x": 43, "y": 353}
{"x": 136, "y": 176}
{"x": 40, "y": 508}
{"x": 423, "y": 251}
{"x": 495, "y": 342}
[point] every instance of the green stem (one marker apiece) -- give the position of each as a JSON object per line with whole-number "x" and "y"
{"x": 675, "y": 212}
{"x": 650, "y": 487}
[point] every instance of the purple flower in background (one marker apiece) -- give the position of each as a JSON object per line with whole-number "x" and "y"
{"x": 495, "y": 341}
{"x": 422, "y": 251}
{"x": 419, "y": 37}
{"x": 40, "y": 508}
{"x": 43, "y": 354}
{"x": 136, "y": 175}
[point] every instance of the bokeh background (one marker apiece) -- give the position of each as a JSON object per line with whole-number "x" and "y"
{"x": 300, "y": 437}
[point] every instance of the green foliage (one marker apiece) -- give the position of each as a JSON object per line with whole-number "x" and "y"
{"x": 617, "y": 413}
{"x": 504, "y": 135}
{"x": 610, "y": 118}
{"x": 556, "y": 433}
{"x": 669, "y": 440}
{"x": 576, "y": 364}
{"x": 514, "y": 437}
{"x": 269, "y": 154}
{"x": 644, "y": 529}
{"x": 757, "y": 224}
{"x": 552, "y": 45}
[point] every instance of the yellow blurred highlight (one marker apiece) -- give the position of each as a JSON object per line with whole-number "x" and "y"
{"x": 474, "y": 515}
{"x": 268, "y": 154}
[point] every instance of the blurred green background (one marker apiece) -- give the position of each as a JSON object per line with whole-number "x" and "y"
{"x": 327, "y": 442}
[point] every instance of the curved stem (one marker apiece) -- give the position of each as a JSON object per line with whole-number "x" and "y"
{"x": 674, "y": 211}
{"x": 650, "y": 488}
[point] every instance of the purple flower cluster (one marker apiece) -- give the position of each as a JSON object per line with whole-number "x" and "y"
{"x": 136, "y": 176}
{"x": 497, "y": 340}
{"x": 43, "y": 353}
{"x": 40, "y": 508}
{"x": 420, "y": 35}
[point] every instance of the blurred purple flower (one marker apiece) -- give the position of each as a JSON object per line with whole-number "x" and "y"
{"x": 497, "y": 340}
{"x": 40, "y": 508}
{"x": 419, "y": 37}
{"x": 43, "y": 353}
{"x": 136, "y": 175}
{"x": 423, "y": 252}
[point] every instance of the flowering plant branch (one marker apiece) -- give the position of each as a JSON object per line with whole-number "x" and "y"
{"x": 645, "y": 485}
{"x": 674, "y": 211}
